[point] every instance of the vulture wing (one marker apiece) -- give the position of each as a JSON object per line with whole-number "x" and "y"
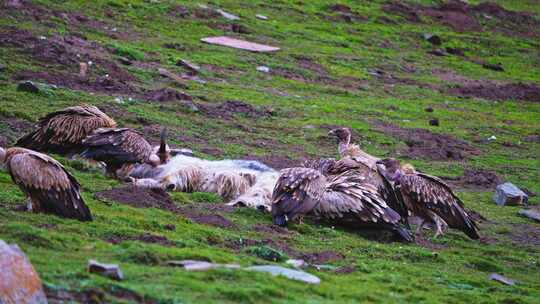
{"x": 63, "y": 131}
{"x": 297, "y": 191}
{"x": 349, "y": 199}
{"x": 430, "y": 192}
{"x": 392, "y": 196}
{"x": 323, "y": 165}
{"x": 49, "y": 185}
{"x": 117, "y": 146}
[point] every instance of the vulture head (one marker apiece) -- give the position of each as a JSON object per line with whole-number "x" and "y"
{"x": 394, "y": 170}
{"x": 342, "y": 134}
{"x": 163, "y": 151}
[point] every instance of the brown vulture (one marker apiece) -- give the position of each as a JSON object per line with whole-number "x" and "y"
{"x": 346, "y": 198}
{"x": 119, "y": 148}
{"x": 63, "y": 131}
{"x": 366, "y": 165}
{"x": 49, "y": 187}
{"x": 429, "y": 198}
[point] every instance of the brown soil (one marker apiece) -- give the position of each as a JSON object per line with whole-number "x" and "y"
{"x": 322, "y": 257}
{"x": 116, "y": 294}
{"x": 424, "y": 144}
{"x": 145, "y": 238}
{"x": 532, "y": 138}
{"x": 525, "y": 234}
{"x": 493, "y": 91}
{"x": 342, "y": 12}
{"x": 422, "y": 241}
{"x": 476, "y": 178}
{"x": 345, "y": 269}
{"x": 211, "y": 220}
{"x": 227, "y": 109}
{"x": 14, "y": 128}
{"x": 166, "y": 94}
{"x": 271, "y": 229}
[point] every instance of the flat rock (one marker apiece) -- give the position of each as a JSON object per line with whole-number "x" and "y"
{"x": 530, "y": 213}
{"x": 28, "y": 86}
{"x": 509, "y": 194}
{"x": 107, "y": 270}
{"x": 501, "y": 279}
{"x": 263, "y": 69}
{"x": 226, "y": 15}
{"x": 239, "y": 44}
{"x": 262, "y": 17}
{"x": 286, "y": 272}
{"x": 297, "y": 263}
{"x": 19, "y": 282}
{"x": 192, "y": 265}
{"x": 188, "y": 65}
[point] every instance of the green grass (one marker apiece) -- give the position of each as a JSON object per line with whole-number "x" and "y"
{"x": 346, "y": 94}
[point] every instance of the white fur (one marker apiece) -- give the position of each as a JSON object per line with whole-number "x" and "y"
{"x": 246, "y": 183}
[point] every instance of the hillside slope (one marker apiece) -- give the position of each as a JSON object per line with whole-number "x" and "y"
{"x": 367, "y": 65}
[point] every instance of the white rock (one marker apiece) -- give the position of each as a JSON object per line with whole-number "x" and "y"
{"x": 227, "y": 16}
{"x": 262, "y": 17}
{"x": 509, "y": 194}
{"x": 263, "y": 69}
{"x": 108, "y": 270}
{"x": 296, "y": 263}
{"x": 192, "y": 265}
{"x": 492, "y": 137}
{"x": 501, "y": 279}
{"x": 286, "y": 272}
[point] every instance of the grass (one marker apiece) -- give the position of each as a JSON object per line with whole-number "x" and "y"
{"x": 345, "y": 93}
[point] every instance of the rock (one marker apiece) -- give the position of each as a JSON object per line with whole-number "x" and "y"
{"x": 125, "y": 61}
{"x": 455, "y": 51}
{"x": 268, "y": 253}
{"x": 19, "y": 282}
{"x": 509, "y": 194}
{"x": 432, "y": 38}
{"x": 28, "y": 86}
{"x": 191, "y": 106}
{"x": 188, "y": 65}
{"x": 494, "y": 67}
{"x": 324, "y": 267}
{"x": 434, "y": 122}
{"x": 227, "y": 16}
{"x": 191, "y": 265}
{"x": 297, "y": 263}
{"x": 429, "y": 109}
{"x": 263, "y": 69}
{"x": 107, "y": 270}
{"x": 499, "y": 278}
{"x": 262, "y": 17}
{"x": 286, "y": 272}
{"x": 165, "y": 73}
{"x": 530, "y": 213}
{"x": 240, "y": 44}
{"x": 492, "y": 137}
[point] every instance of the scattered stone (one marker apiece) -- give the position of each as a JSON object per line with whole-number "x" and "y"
{"x": 432, "y": 38}
{"x": 28, "y": 86}
{"x": 324, "y": 267}
{"x": 296, "y": 263}
{"x": 227, "y": 16}
{"x": 509, "y": 194}
{"x": 166, "y": 94}
{"x": 239, "y": 44}
{"x": 125, "y": 61}
{"x": 434, "y": 122}
{"x": 492, "y": 138}
{"x": 191, "y": 265}
{"x": 263, "y": 69}
{"x": 165, "y": 73}
{"x": 188, "y": 65}
{"x": 19, "y": 282}
{"x": 192, "y": 107}
{"x": 495, "y": 67}
{"x": 262, "y": 17}
{"x": 501, "y": 279}
{"x": 286, "y": 272}
{"x": 437, "y": 52}
{"x": 429, "y": 109}
{"x": 107, "y": 270}
{"x": 530, "y": 213}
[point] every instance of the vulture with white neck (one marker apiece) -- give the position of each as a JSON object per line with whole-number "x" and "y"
{"x": 366, "y": 166}
{"x": 63, "y": 131}
{"x": 49, "y": 186}
{"x": 429, "y": 198}
{"x": 335, "y": 192}
{"x": 119, "y": 149}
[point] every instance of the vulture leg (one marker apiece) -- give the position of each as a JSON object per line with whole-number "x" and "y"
{"x": 440, "y": 224}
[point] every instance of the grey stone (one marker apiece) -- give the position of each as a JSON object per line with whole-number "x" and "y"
{"x": 509, "y": 194}
{"x": 192, "y": 265}
{"x": 190, "y": 66}
{"x": 432, "y": 38}
{"x": 530, "y": 213}
{"x": 28, "y": 86}
{"x": 19, "y": 282}
{"x": 262, "y": 17}
{"x": 297, "y": 263}
{"x": 286, "y": 272}
{"x": 263, "y": 69}
{"x": 501, "y": 279}
{"x": 227, "y": 16}
{"x": 107, "y": 270}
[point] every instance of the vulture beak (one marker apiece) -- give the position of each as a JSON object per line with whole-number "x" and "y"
{"x": 163, "y": 151}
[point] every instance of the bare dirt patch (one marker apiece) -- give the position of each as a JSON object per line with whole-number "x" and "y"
{"x": 420, "y": 240}
{"x": 93, "y": 295}
{"x": 12, "y": 128}
{"x": 493, "y": 91}
{"x": 271, "y": 229}
{"x": 145, "y": 238}
{"x": 424, "y": 144}
{"x": 166, "y": 94}
{"x": 476, "y": 178}
{"x": 525, "y": 234}
{"x": 227, "y": 109}
{"x": 322, "y": 257}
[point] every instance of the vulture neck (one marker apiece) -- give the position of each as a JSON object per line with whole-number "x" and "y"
{"x": 343, "y": 145}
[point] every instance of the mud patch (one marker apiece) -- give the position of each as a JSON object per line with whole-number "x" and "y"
{"x": 423, "y": 144}
{"x": 342, "y": 12}
{"x": 212, "y": 220}
{"x": 501, "y": 92}
{"x": 139, "y": 198}
{"x": 166, "y": 94}
{"x": 271, "y": 229}
{"x": 323, "y": 257}
{"x": 423, "y": 242}
{"x": 145, "y": 238}
{"x": 227, "y": 109}
{"x": 525, "y": 234}
{"x": 93, "y": 295}
{"x": 476, "y": 178}
{"x": 12, "y": 128}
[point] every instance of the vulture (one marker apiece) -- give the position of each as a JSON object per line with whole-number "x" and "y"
{"x": 366, "y": 165}
{"x": 429, "y": 198}
{"x": 335, "y": 192}
{"x": 49, "y": 187}
{"x": 63, "y": 131}
{"x": 119, "y": 149}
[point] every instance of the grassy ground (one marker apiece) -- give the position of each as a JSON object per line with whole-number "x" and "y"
{"x": 360, "y": 68}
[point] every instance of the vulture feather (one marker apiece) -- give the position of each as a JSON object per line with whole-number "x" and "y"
{"x": 117, "y": 147}
{"x": 63, "y": 131}
{"x": 46, "y": 182}
{"x": 430, "y": 198}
